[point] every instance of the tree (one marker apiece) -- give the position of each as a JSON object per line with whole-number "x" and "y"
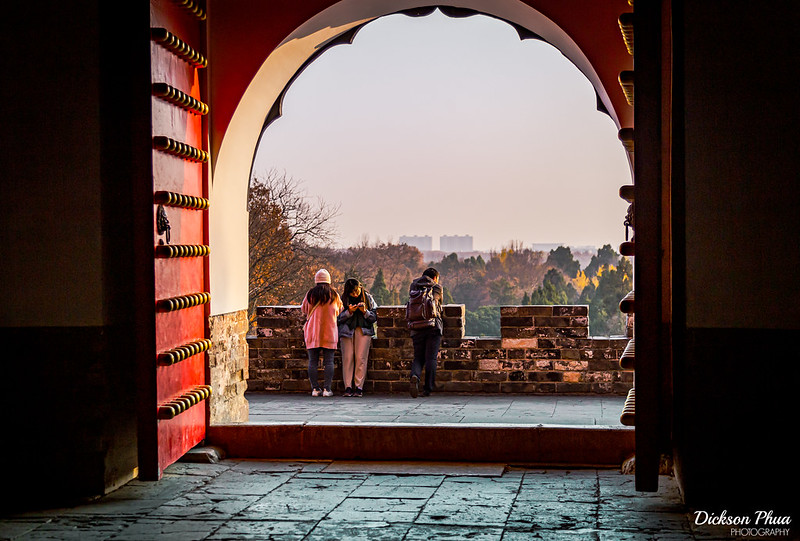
{"x": 363, "y": 260}
{"x": 484, "y": 321}
{"x": 450, "y": 265}
{"x": 472, "y": 292}
{"x": 502, "y": 291}
{"x": 606, "y": 256}
{"x": 352, "y": 272}
{"x": 548, "y": 293}
{"x": 502, "y": 279}
{"x": 400, "y": 293}
{"x": 554, "y": 290}
{"x": 580, "y": 281}
{"x": 447, "y": 297}
{"x": 603, "y": 299}
{"x": 379, "y": 290}
{"x": 524, "y": 267}
{"x": 285, "y": 229}
{"x": 463, "y": 280}
{"x": 561, "y": 258}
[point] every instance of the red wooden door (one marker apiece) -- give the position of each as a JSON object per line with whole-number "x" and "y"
{"x": 179, "y": 408}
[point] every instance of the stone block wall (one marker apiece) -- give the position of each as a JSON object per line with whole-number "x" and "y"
{"x": 542, "y": 349}
{"x": 228, "y": 368}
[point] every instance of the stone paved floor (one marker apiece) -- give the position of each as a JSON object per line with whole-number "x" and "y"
{"x": 293, "y": 500}
{"x": 439, "y": 408}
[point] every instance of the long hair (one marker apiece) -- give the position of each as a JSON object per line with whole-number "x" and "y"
{"x": 322, "y": 293}
{"x": 349, "y": 286}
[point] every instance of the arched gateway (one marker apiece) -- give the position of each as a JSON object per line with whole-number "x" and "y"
{"x": 219, "y": 73}
{"x": 256, "y": 49}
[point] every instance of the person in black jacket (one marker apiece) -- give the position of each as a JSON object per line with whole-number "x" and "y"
{"x": 426, "y": 340}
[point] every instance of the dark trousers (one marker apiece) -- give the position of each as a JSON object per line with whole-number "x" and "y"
{"x": 327, "y": 364}
{"x": 426, "y": 350}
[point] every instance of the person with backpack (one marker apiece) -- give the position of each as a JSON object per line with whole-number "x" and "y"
{"x": 424, "y": 319}
{"x": 321, "y": 306}
{"x": 356, "y": 330}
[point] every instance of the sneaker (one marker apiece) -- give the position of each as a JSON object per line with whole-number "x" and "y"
{"x": 316, "y": 391}
{"x": 425, "y": 392}
{"x": 326, "y": 392}
{"x": 358, "y": 392}
{"x": 348, "y": 392}
{"x": 413, "y": 388}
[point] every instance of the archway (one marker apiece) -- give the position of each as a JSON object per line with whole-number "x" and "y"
{"x": 244, "y": 101}
{"x": 597, "y": 49}
{"x": 504, "y": 131}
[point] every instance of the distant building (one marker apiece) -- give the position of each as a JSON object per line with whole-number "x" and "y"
{"x": 455, "y": 243}
{"x": 422, "y": 243}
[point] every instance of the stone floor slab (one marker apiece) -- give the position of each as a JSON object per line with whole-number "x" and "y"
{"x": 313, "y": 500}
{"x": 425, "y": 532}
{"x": 242, "y": 530}
{"x": 153, "y": 529}
{"x": 555, "y": 516}
{"x": 465, "y": 515}
{"x": 412, "y": 481}
{"x": 73, "y": 529}
{"x": 413, "y": 492}
{"x": 203, "y": 506}
{"x": 592, "y": 410}
{"x": 334, "y": 530}
{"x": 390, "y": 510}
{"x": 239, "y": 483}
{"x": 302, "y": 499}
{"x": 417, "y": 468}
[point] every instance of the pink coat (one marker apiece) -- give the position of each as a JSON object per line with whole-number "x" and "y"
{"x": 320, "y": 329}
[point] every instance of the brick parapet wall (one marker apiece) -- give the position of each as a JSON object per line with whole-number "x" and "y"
{"x": 541, "y": 349}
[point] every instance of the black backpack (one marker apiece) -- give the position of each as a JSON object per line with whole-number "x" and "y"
{"x": 421, "y": 309}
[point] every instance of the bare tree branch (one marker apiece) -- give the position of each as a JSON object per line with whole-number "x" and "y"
{"x": 285, "y": 227}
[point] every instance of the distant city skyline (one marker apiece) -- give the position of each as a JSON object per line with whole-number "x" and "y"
{"x": 456, "y": 243}
{"x": 500, "y": 136}
{"x": 447, "y": 243}
{"x": 425, "y": 244}
{"x": 421, "y": 242}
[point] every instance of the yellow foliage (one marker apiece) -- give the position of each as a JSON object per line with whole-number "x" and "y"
{"x": 580, "y": 281}
{"x": 604, "y": 268}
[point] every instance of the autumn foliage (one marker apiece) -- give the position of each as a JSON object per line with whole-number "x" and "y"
{"x": 291, "y": 237}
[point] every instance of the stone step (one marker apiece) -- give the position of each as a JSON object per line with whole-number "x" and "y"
{"x": 543, "y": 445}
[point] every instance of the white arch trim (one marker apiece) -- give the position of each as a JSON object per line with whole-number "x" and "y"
{"x": 230, "y": 177}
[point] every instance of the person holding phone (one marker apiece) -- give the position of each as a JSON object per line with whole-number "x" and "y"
{"x": 356, "y": 330}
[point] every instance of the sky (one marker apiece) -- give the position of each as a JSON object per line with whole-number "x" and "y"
{"x": 500, "y": 137}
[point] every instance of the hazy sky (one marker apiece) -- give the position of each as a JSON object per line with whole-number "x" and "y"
{"x": 500, "y": 136}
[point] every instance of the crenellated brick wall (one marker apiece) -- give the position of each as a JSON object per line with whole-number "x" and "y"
{"x": 541, "y": 349}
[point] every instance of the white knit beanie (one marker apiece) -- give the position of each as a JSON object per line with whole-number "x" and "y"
{"x": 322, "y": 277}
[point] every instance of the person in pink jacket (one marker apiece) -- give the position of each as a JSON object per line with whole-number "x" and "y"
{"x": 321, "y": 306}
